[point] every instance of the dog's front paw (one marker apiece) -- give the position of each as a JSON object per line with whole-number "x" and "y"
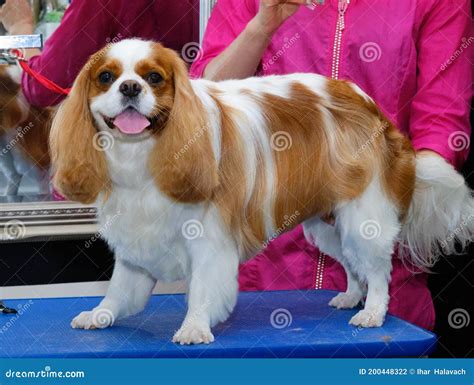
{"x": 95, "y": 319}
{"x": 344, "y": 301}
{"x": 193, "y": 334}
{"x": 368, "y": 318}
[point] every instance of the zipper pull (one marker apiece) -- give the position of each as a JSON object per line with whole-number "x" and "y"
{"x": 342, "y": 8}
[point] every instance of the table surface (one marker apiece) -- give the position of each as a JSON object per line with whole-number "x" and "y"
{"x": 264, "y": 324}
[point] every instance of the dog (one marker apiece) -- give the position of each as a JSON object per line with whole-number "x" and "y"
{"x": 192, "y": 177}
{"x": 22, "y": 124}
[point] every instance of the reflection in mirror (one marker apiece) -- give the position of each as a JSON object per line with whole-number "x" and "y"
{"x": 24, "y": 129}
{"x": 29, "y": 207}
{"x": 24, "y": 159}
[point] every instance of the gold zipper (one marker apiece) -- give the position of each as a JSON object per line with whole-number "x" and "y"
{"x": 320, "y": 271}
{"x": 336, "y": 53}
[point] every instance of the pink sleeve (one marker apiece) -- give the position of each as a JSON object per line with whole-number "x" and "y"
{"x": 228, "y": 20}
{"x": 439, "y": 118}
{"x": 82, "y": 32}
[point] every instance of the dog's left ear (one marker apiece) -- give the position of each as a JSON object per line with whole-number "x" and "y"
{"x": 183, "y": 162}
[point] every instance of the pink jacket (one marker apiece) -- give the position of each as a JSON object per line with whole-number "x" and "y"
{"x": 413, "y": 58}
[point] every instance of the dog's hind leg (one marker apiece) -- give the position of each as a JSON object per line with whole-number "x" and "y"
{"x": 327, "y": 239}
{"x": 369, "y": 227}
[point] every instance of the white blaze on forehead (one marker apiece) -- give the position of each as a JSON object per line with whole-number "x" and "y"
{"x": 129, "y": 52}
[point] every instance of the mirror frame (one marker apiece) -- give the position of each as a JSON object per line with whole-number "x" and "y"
{"x": 21, "y": 222}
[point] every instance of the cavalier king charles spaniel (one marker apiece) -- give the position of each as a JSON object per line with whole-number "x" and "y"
{"x": 192, "y": 177}
{"x": 20, "y": 124}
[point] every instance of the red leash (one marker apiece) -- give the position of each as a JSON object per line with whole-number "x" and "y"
{"x": 50, "y": 85}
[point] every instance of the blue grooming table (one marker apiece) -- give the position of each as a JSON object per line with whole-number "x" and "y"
{"x": 264, "y": 324}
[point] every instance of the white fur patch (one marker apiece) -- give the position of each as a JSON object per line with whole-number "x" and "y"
{"x": 441, "y": 213}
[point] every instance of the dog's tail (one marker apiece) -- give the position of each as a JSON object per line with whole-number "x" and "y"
{"x": 441, "y": 216}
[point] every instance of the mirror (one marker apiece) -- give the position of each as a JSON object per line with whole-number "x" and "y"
{"x": 29, "y": 206}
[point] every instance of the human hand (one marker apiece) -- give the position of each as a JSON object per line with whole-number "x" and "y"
{"x": 17, "y": 17}
{"x": 273, "y": 13}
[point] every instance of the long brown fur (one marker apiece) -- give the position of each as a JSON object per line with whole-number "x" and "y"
{"x": 80, "y": 169}
{"x": 187, "y": 173}
{"x": 313, "y": 177}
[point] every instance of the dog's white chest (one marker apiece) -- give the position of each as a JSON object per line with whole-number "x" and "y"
{"x": 137, "y": 220}
{"x": 140, "y": 226}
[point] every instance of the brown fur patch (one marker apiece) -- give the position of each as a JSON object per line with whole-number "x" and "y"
{"x": 32, "y": 132}
{"x": 80, "y": 169}
{"x": 10, "y": 111}
{"x": 334, "y": 148}
{"x": 385, "y": 145}
{"x": 310, "y": 179}
{"x": 182, "y": 162}
{"x": 399, "y": 169}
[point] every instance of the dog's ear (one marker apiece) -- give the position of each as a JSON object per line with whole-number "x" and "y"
{"x": 79, "y": 164}
{"x": 183, "y": 162}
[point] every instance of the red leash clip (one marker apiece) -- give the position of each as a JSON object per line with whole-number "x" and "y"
{"x": 50, "y": 85}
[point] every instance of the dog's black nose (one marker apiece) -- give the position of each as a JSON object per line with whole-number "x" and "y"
{"x": 130, "y": 88}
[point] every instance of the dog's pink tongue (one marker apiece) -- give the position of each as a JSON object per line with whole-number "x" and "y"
{"x": 131, "y": 122}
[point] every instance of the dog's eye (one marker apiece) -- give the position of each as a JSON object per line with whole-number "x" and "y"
{"x": 154, "y": 78}
{"x": 105, "y": 77}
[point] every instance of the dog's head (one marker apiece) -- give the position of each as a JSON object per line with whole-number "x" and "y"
{"x": 132, "y": 91}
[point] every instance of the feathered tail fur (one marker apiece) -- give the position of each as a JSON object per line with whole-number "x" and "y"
{"x": 441, "y": 216}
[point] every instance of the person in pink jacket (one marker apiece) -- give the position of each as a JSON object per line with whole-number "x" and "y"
{"x": 413, "y": 57}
